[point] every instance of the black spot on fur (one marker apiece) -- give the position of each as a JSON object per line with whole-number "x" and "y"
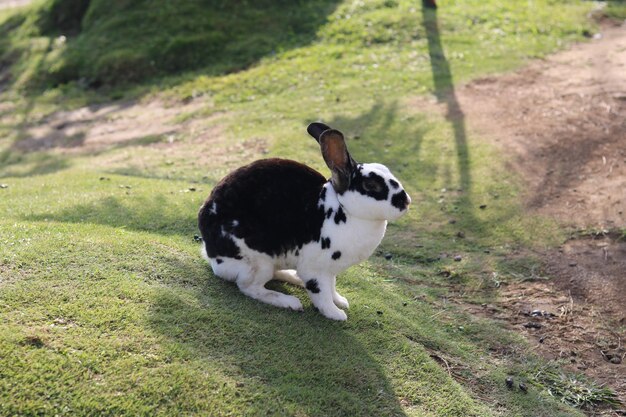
{"x": 325, "y": 242}
{"x": 394, "y": 184}
{"x": 275, "y": 202}
{"x": 329, "y": 213}
{"x": 312, "y": 286}
{"x": 399, "y": 200}
{"x": 297, "y": 252}
{"x": 336, "y": 255}
{"x": 323, "y": 194}
{"x": 372, "y": 185}
{"x": 219, "y": 261}
{"x": 340, "y": 216}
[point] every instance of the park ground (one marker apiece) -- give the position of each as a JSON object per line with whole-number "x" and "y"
{"x": 510, "y": 264}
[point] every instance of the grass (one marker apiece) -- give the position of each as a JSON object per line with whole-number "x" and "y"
{"x": 107, "y": 307}
{"x": 616, "y": 9}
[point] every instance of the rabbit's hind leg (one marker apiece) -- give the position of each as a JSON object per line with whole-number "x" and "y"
{"x": 229, "y": 269}
{"x": 252, "y": 283}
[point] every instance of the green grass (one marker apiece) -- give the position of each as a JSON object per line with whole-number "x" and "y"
{"x": 616, "y": 9}
{"x": 107, "y": 307}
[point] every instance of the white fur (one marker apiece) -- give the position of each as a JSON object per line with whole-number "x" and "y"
{"x": 356, "y": 239}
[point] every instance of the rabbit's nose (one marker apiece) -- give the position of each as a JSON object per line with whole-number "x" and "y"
{"x": 401, "y": 200}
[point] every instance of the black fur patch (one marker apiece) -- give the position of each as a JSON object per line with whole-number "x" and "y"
{"x": 325, "y": 242}
{"x": 336, "y": 255}
{"x": 219, "y": 261}
{"x": 312, "y": 286}
{"x": 340, "y": 216}
{"x": 329, "y": 213}
{"x": 323, "y": 194}
{"x": 297, "y": 252}
{"x": 399, "y": 200}
{"x": 275, "y": 202}
{"x": 394, "y": 184}
{"x": 372, "y": 185}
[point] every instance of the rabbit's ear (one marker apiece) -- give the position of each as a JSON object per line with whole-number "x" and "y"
{"x": 316, "y": 129}
{"x": 337, "y": 158}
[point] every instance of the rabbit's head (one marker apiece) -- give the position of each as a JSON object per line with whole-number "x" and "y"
{"x": 367, "y": 191}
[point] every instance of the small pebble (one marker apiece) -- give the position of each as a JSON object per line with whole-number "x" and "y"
{"x": 573, "y": 264}
{"x": 523, "y": 387}
{"x": 483, "y": 206}
{"x": 388, "y": 256}
{"x": 486, "y": 251}
{"x": 509, "y": 382}
{"x": 458, "y": 258}
{"x": 533, "y": 325}
{"x": 541, "y": 339}
{"x": 405, "y": 304}
{"x": 616, "y": 360}
{"x": 380, "y": 313}
{"x": 461, "y": 235}
{"x": 452, "y": 221}
{"x": 4, "y": 186}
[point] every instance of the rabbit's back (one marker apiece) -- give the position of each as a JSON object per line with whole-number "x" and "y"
{"x": 271, "y": 204}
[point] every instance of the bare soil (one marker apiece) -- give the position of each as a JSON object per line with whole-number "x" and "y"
{"x": 9, "y": 4}
{"x": 166, "y": 130}
{"x": 562, "y": 122}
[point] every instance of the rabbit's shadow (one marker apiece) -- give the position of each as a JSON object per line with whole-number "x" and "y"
{"x": 283, "y": 362}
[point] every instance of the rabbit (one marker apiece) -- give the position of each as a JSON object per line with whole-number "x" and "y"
{"x": 280, "y": 219}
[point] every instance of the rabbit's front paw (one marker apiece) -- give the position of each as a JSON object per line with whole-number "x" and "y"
{"x": 340, "y": 301}
{"x": 334, "y": 314}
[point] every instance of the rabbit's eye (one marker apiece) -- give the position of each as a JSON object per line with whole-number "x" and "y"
{"x": 372, "y": 185}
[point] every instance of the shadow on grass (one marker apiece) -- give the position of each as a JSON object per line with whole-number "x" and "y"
{"x": 19, "y": 164}
{"x": 445, "y": 93}
{"x": 155, "y": 215}
{"x": 376, "y": 136}
{"x": 280, "y": 362}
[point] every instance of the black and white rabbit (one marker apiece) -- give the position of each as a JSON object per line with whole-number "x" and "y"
{"x": 280, "y": 219}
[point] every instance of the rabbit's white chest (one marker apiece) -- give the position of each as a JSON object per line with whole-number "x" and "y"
{"x": 342, "y": 245}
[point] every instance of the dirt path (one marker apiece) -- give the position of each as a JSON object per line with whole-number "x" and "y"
{"x": 562, "y": 121}
{"x": 9, "y": 4}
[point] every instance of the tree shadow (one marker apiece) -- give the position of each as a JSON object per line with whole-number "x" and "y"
{"x": 306, "y": 364}
{"x": 156, "y": 214}
{"x": 445, "y": 92}
{"x": 12, "y": 164}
